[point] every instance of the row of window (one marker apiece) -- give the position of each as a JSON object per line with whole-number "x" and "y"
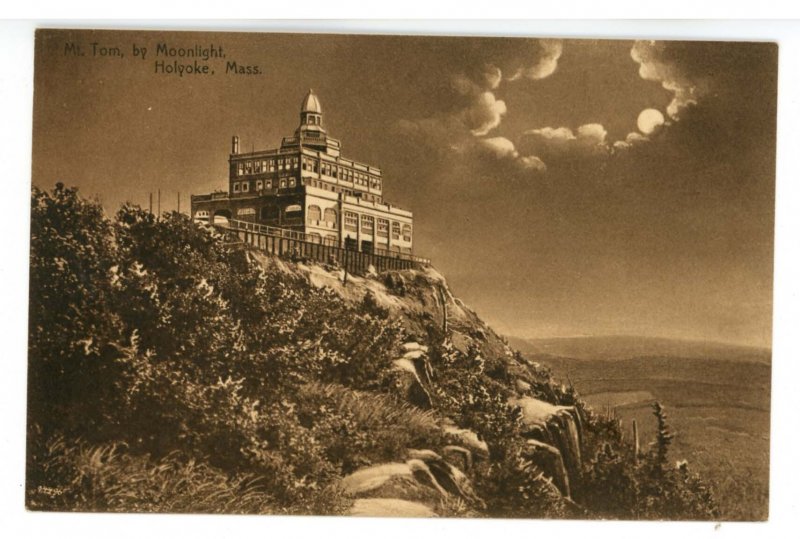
{"x": 314, "y": 214}
{"x": 257, "y": 166}
{"x": 351, "y": 221}
{"x": 244, "y": 187}
{"x": 342, "y": 173}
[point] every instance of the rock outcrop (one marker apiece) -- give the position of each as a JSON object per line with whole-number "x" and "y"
{"x": 414, "y": 375}
{"x": 421, "y": 483}
{"x": 555, "y": 429}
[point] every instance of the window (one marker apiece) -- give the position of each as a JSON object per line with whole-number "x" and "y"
{"x": 351, "y": 221}
{"x": 235, "y": 187}
{"x": 295, "y": 163}
{"x": 239, "y": 168}
{"x": 291, "y": 182}
{"x": 268, "y": 184}
{"x": 314, "y": 213}
{"x": 257, "y": 167}
{"x": 383, "y": 228}
{"x": 283, "y": 182}
{"x": 271, "y": 163}
{"x": 330, "y": 240}
{"x": 367, "y": 222}
{"x": 407, "y": 233}
{"x": 335, "y": 172}
{"x": 331, "y": 216}
{"x": 248, "y": 167}
{"x": 245, "y": 187}
{"x": 314, "y": 237}
{"x": 259, "y": 185}
{"x": 280, "y": 164}
{"x": 264, "y": 165}
{"x": 395, "y": 230}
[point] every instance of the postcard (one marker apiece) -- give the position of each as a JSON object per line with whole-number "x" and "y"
{"x": 406, "y": 276}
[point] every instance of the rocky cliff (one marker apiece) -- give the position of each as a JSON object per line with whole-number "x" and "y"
{"x": 422, "y": 301}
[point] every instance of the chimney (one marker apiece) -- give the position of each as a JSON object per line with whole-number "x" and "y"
{"x": 235, "y": 145}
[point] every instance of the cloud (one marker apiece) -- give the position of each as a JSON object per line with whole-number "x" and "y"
{"x": 657, "y": 62}
{"x": 632, "y": 139}
{"x": 546, "y": 63}
{"x": 484, "y": 114}
{"x": 503, "y": 149}
{"x": 548, "y": 142}
{"x": 500, "y": 147}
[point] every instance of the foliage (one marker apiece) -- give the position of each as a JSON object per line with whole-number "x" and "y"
{"x": 169, "y": 371}
{"x": 620, "y": 484}
{"x": 76, "y": 476}
{"x": 160, "y": 335}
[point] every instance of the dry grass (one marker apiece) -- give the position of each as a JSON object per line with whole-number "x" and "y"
{"x": 81, "y": 477}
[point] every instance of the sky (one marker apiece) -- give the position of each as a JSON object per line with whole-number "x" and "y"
{"x": 563, "y": 187}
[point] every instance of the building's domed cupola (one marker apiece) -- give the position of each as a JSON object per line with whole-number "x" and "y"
{"x": 311, "y": 114}
{"x": 310, "y": 133}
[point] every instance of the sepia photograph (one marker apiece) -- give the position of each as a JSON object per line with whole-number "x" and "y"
{"x": 366, "y": 275}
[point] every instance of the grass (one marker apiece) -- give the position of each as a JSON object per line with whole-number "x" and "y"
{"x": 88, "y": 478}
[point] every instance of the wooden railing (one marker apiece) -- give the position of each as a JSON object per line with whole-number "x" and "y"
{"x": 284, "y": 242}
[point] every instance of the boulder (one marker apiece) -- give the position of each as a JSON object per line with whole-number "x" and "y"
{"x": 549, "y": 460}
{"x": 450, "y": 478}
{"x": 425, "y": 479}
{"x": 468, "y": 439}
{"x": 390, "y": 507}
{"x": 410, "y": 385}
{"x": 557, "y": 426}
{"x": 367, "y": 479}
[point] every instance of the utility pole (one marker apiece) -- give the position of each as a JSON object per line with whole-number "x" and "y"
{"x": 150, "y": 207}
{"x": 159, "y": 205}
{"x": 179, "y": 201}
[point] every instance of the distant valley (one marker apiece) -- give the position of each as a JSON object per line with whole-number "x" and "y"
{"x": 717, "y": 398}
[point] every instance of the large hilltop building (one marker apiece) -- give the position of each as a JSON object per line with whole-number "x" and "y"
{"x": 308, "y": 187}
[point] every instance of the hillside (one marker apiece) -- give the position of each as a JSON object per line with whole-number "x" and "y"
{"x": 718, "y": 397}
{"x": 174, "y": 369}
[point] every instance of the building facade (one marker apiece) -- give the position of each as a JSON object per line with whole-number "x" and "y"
{"x": 307, "y": 186}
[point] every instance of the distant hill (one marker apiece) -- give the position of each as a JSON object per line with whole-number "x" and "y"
{"x": 717, "y": 397}
{"x": 618, "y": 347}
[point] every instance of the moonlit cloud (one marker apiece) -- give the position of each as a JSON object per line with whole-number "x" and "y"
{"x": 587, "y": 140}
{"x": 484, "y": 114}
{"x": 502, "y": 148}
{"x": 632, "y": 139}
{"x": 655, "y": 64}
{"x": 499, "y": 147}
{"x": 545, "y": 65}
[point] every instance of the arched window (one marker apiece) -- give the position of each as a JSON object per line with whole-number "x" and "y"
{"x": 314, "y": 213}
{"x": 313, "y": 237}
{"x": 331, "y": 240}
{"x": 331, "y": 217}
